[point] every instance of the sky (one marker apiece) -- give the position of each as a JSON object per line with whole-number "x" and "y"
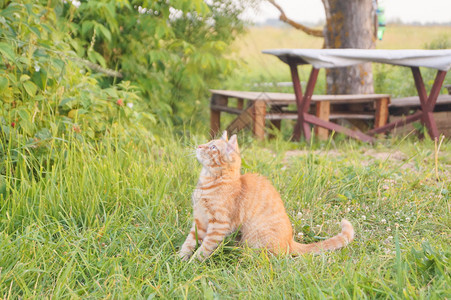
{"x": 312, "y": 11}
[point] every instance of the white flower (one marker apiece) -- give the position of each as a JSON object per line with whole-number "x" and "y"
{"x": 388, "y": 229}
{"x": 142, "y": 10}
{"x": 174, "y": 14}
{"x": 300, "y": 234}
{"x": 76, "y": 3}
{"x": 383, "y": 221}
{"x": 407, "y": 219}
{"x": 363, "y": 217}
{"x": 130, "y": 104}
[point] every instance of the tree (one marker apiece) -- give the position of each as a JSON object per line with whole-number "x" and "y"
{"x": 349, "y": 24}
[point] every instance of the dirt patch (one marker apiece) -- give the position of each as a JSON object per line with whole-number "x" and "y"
{"x": 291, "y": 153}
{"x": 390, "y": 156}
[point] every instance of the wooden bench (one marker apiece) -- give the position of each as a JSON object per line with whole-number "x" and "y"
{"x": 262, "y": 106}
{"x": 401, "y": 107}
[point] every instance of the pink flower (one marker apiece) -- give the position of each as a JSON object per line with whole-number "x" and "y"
{"x": 120, "y": 102}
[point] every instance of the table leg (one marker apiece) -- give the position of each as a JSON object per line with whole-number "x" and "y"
{"x": 298, "y": 94}
{"x": 428, "y": 103}
{"x": 322, "y": 112}
{"x": 240, "y": 103}
{"x": 302, "y": 101}
{"x": 215, "y": 115}
{"x": 259, "y": 119}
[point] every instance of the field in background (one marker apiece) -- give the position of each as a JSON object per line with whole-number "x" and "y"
{"x": 258, "y": 67}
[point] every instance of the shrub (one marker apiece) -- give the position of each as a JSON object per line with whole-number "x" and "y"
{"x": 173, "y": 50}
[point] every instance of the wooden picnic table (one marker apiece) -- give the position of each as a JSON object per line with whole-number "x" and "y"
{"x": 334, "y": 58}
{"x": 262, "y": 106}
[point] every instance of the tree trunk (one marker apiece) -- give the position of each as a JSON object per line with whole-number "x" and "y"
{"x": 349, "y": 24}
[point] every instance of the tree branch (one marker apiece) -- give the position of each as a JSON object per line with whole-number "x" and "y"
{"x": 93, "y": 66}
{"x": 283, "y": 17}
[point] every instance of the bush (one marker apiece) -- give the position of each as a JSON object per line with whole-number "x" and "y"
{"x": 173, "y": 50}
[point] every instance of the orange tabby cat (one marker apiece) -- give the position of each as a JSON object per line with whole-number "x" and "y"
{"x": 225, "y": 201}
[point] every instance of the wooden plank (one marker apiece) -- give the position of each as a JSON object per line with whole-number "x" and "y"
{"x": 353, "y": 116}
{"x": 289, "y": 98}
{"x": 258, "y": 119}
{"x": 414, "y": 101}
{"x": 322, "y": 112}
{"x": 333, "y": 116}
{"x": 282, "y": 116}
{"x": 381, "y": 114}
{"x": 230, "y": 110}
{"x": 215, "y": 115}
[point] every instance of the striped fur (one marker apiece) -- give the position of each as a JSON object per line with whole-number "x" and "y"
{"x": 225, "y": 201}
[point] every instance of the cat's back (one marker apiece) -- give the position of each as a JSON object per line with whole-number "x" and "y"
{"x": 265, "y": 222}
{"x": 260, "y": 194}
{"x": 254, "y": 182}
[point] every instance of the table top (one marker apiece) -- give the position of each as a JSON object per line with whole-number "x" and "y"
{"x": 335, "y": 58}
{"x": 290, "y": 98}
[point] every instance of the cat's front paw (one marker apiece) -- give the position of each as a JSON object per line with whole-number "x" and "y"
{"x": 200, "y": 256}
{"x": 184, "y": 255}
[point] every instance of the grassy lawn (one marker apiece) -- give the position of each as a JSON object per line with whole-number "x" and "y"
{"x": 106, "y": 221}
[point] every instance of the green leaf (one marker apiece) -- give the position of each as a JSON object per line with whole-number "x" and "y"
{"x": 86, "y": 27}
{"x": 7, "y": 50}
{"x": 104, "y": 31}
{"x": 24, "y": 78}
{"x": 3, "y": 83}
{"x": 99, "y": 58}
{"x": 30, "y": 87}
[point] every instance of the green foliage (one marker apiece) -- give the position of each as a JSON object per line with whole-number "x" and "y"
{"x": 442, "y": 42}
{"x": 173, "y": 50}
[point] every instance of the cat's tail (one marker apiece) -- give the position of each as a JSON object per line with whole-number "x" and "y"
{"x": 336, "y": 242}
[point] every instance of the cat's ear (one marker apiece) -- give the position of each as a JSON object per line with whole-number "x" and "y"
{"x": 224, "y": 135}
{"x": 232, "y": 145}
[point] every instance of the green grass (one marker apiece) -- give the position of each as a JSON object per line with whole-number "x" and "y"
{"x": 106, "y": 221}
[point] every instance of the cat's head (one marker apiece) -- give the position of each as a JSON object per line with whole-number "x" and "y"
{"x": 221, "y": 153}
